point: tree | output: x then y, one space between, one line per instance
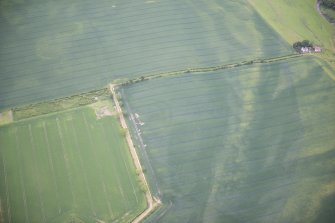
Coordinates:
305 43
297 46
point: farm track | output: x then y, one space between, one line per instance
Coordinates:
151 201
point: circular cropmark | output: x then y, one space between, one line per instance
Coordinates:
53 46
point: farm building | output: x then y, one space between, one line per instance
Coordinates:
315 49
306 49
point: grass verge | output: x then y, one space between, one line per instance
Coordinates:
60 104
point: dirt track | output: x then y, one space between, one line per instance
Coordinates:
152 203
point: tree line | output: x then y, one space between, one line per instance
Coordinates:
328 3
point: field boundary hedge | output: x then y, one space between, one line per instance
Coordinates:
74 101
125 81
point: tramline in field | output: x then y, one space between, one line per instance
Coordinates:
230 123
67 167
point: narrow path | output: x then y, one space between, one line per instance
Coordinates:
151 202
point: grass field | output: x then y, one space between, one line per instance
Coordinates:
67 167
249 144
297 20
51 49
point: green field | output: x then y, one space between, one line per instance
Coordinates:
249 144
297 20
51 49
67 167
230 123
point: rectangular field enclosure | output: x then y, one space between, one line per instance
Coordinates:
250 144
67 167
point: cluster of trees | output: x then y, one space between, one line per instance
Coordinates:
328 3
305 43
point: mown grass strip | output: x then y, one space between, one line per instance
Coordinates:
60 104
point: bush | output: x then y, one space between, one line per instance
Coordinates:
143 187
